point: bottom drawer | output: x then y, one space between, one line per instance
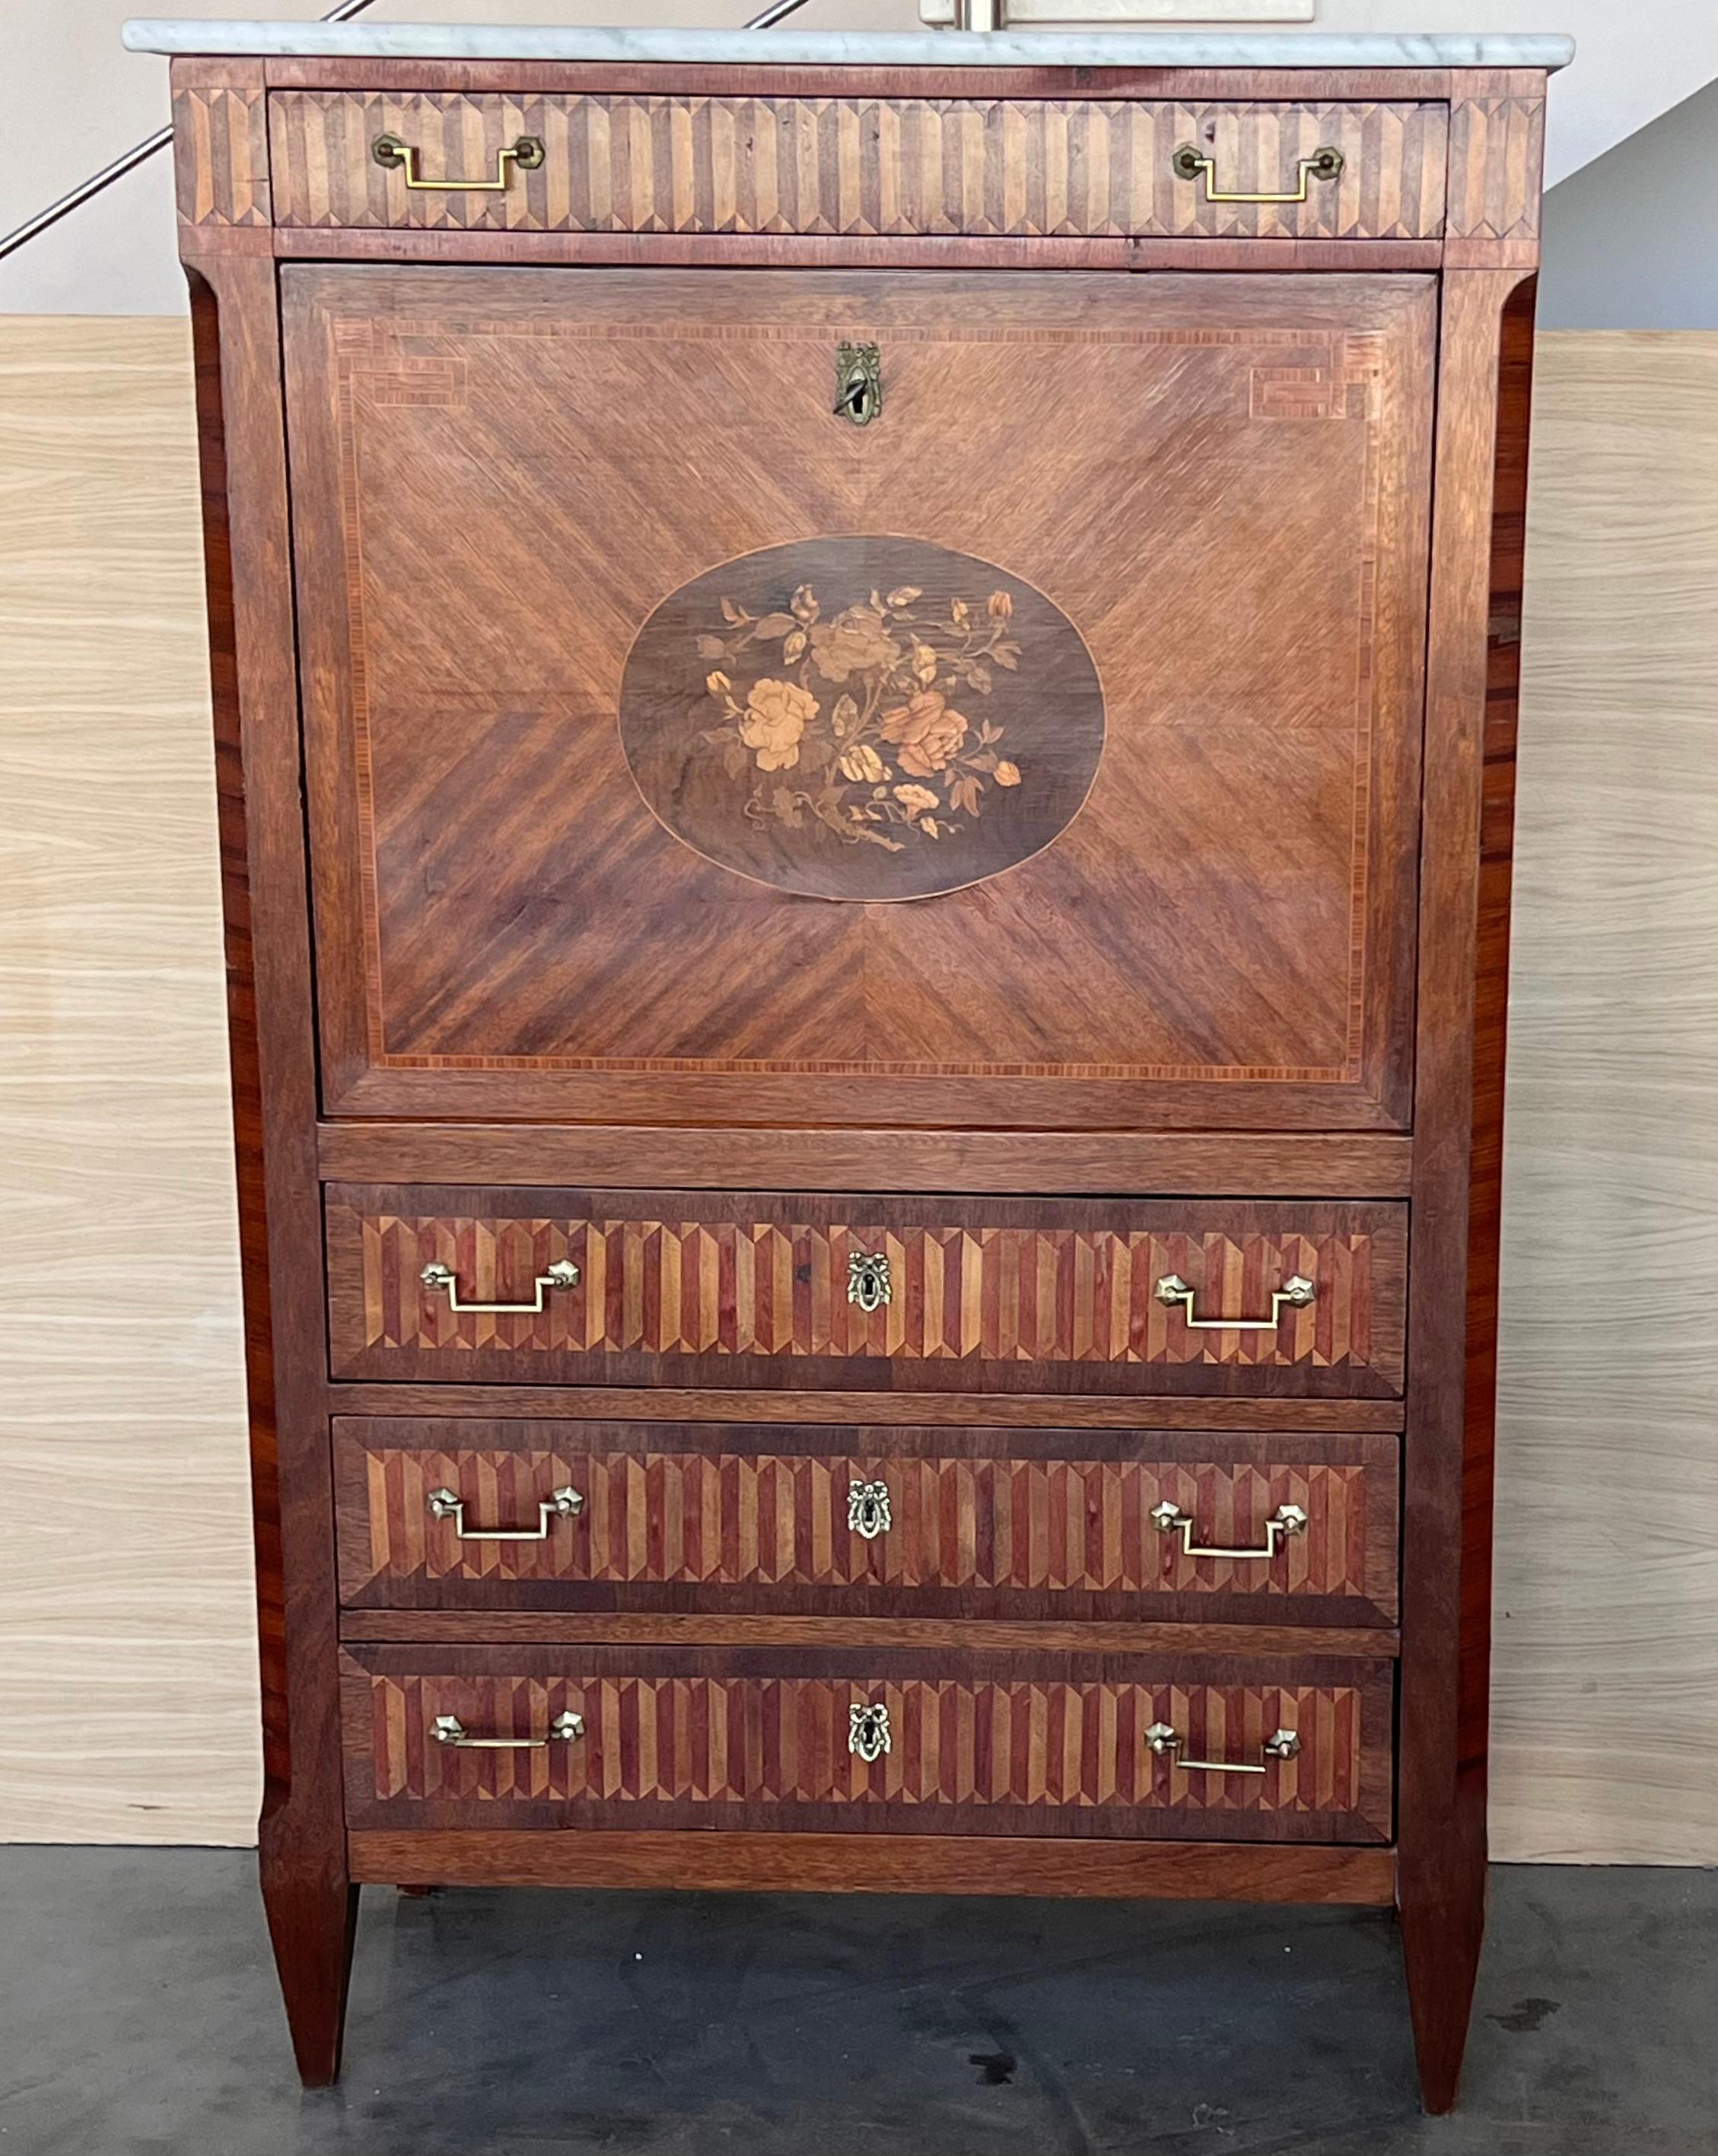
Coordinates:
888 1741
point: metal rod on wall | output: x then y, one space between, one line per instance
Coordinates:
139 151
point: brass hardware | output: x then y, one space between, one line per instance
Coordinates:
527 153
1287 1520
566 1504
1296 1292
868 1509
868 1731
565 1729
564 1273
858 383
1188 163
868 1283
1167 1745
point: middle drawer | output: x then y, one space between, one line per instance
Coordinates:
728 1518
718 1288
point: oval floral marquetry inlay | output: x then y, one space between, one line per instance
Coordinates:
864 717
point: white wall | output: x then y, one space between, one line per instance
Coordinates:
73 98
1631 240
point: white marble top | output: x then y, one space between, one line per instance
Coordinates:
1175 48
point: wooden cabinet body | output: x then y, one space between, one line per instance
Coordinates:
865 722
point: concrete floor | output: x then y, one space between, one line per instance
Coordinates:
138 2017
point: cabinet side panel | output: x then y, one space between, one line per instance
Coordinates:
310 1901
1445 1560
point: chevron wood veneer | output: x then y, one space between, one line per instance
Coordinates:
978 1289
226 182
1009 1525
1497 145
968 1753
889 165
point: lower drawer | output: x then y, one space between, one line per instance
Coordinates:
890 1741
1237 1527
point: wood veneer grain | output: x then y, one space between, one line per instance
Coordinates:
114 1126
732 1520
894 1864
506 1628
757 1739
877 165
751 1289
1116 1163
1606 1569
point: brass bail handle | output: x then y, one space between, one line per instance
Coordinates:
1166 1741
1190 163
1295 1293
439 1280
564 1504
527 153
566 1728
1287 1520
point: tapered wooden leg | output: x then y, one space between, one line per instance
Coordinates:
1442 1911
311 1923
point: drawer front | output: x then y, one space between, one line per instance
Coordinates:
886 167
963 1743
1025 1524
703 1289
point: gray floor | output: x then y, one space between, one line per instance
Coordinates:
138 2017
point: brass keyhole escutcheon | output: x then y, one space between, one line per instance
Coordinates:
868 1732
868 1510
869 1287
858 383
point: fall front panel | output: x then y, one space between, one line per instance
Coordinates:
827 696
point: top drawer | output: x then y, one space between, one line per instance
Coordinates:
898 168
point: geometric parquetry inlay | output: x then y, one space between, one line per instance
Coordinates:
1031 167
751 1740
1001 1294
723 1518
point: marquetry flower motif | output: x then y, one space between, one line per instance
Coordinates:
849 722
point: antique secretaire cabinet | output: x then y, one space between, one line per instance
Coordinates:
865 693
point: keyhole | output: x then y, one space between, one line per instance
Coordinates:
858 383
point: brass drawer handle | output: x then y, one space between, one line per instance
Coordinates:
1189 163
566 1504
1167 1745
868 1732
1287 1520
527 153
565 1729
1296 1292
868 1510
564 1273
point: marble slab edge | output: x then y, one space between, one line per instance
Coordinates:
1163 48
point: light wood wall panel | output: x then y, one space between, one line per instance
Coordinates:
126 1662
1605 1686
127 1682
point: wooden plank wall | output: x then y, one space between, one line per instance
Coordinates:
127 1671
127 1674
1606 1686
